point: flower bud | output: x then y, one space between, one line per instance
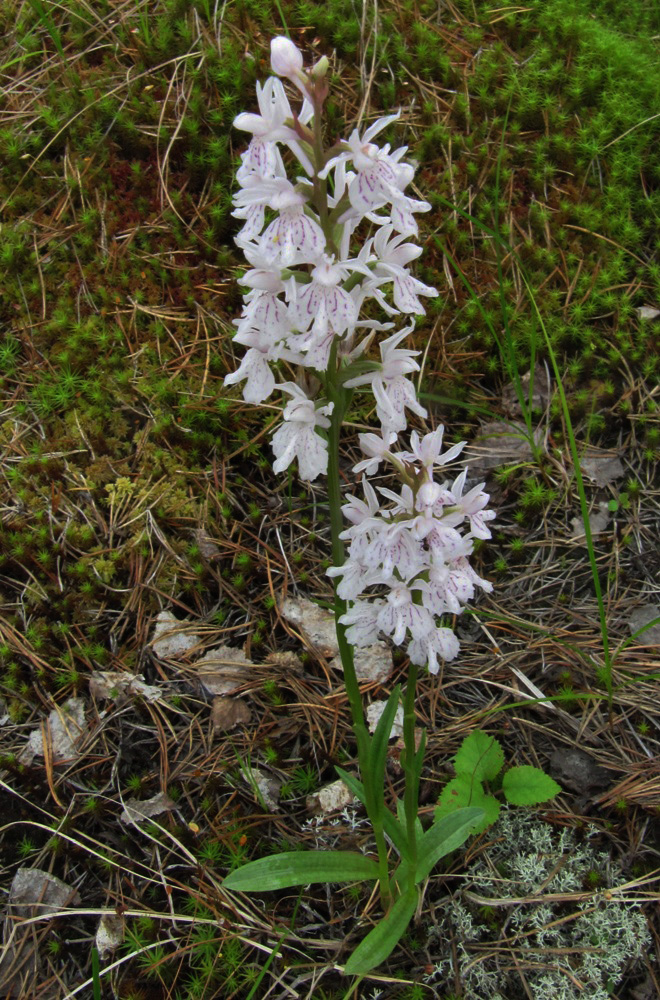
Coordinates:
320 68
285 57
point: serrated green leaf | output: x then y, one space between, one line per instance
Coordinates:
480 756
382 940
462 792
446 834
280 871
527 786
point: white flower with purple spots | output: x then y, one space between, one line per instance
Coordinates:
297 437
392 390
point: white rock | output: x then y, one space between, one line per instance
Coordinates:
267 786
32 887
223 670
374 712
331 798
119 686
170 637
64 728
598 521
647 312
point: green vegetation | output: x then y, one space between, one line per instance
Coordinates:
131 480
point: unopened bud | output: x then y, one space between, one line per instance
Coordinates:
320 68
285 57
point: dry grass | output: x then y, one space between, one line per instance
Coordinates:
210 534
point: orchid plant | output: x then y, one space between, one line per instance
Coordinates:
402 564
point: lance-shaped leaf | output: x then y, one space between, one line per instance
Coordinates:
280 871
378 749
381 941
444 837
395 831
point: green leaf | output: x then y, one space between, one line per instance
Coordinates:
395 831
480 756
462 792
378 749
353 784
527 786
401 813
445 836
300 868
381 941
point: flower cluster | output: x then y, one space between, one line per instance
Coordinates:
305 294
414 549
305 291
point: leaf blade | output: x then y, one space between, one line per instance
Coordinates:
480 756
281 871
528 786
382 940
445 836
378 748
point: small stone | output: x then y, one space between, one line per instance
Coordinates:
644 616
374 712
109 934
227 713
317 624
500 443
578 771
63 730
598 521
171 637
373 664
601 466
207 547
540 392
329 799
34 891
120 686
647 312
267 786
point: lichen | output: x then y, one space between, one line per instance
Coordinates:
566 950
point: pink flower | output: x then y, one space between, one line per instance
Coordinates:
297 437
440 642
323 304
377 449
392 390
391 259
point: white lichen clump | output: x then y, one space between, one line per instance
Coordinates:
565 950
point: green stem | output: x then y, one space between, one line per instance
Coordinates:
339 397
410 770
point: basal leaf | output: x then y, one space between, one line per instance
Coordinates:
381 941
301 868
480 756
443 837
395 831
527 786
